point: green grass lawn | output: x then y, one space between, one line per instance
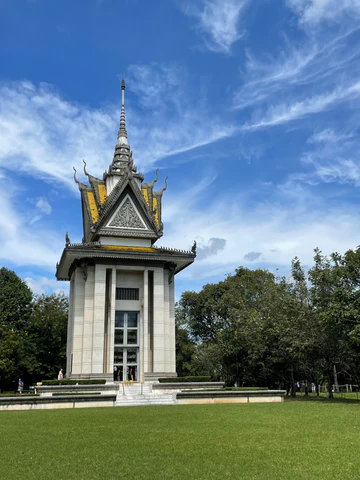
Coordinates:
306 439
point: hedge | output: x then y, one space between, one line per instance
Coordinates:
73 382
242 389
62 394
184 379
16 394
227 389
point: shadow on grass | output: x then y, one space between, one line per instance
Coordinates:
323 398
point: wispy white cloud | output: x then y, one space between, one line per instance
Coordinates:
41 284
316 64
315 11
44 135
175 120
291 222
44 206
329 136
219 22
284 113
333 158
21 244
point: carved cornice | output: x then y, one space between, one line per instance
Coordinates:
84 245
71 259
175 250
129 233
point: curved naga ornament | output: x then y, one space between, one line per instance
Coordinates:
76 180
160 192
86 173
152 183
193 248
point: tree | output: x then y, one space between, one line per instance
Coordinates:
15 314
237 315
253 328
48 334
15 300
32 332
335 298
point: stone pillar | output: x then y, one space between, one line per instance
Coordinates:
99 320
145 326
159 333
112 324
88 321
70 328
167 351
79 295
172 342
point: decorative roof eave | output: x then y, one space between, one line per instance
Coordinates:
95 250
122 232
82 187
96 185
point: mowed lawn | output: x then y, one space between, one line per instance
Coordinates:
295 439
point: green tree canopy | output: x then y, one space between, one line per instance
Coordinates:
32 332
253 328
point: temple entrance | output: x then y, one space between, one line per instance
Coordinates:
126 346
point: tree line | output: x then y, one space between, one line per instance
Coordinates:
32 332
256 329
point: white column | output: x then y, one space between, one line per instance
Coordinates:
145 326
99 319
88 321
111 332
159 333
167 345
172 343
79 294
70 327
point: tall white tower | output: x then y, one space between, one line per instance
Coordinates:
121 317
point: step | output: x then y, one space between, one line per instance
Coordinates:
149 399
135 390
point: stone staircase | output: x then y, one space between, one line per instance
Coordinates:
137 395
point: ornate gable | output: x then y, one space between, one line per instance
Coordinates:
126 213
127 216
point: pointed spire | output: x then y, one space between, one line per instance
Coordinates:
122 159
122 134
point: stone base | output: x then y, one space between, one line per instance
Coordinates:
91 376
249 396
154 376
32 402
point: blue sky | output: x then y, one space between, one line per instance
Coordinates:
251 107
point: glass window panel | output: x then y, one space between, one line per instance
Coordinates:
119 319
118 373
118 355
131 355
131 373
132 337
119 336
132 319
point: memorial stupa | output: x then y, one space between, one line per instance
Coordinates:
121 307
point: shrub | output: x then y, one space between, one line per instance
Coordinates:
239 389
184 379
73 382
62 394
16 394
227 389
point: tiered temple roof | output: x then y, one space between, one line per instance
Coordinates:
120 206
